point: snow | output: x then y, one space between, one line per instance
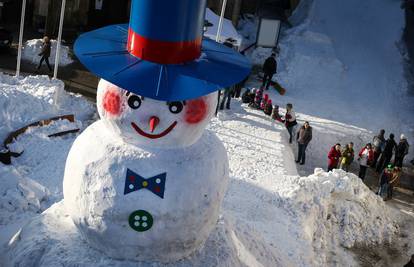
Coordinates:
94 183
33 98
342 69
275 213
34 180
32 48
228 30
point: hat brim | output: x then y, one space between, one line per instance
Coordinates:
103 52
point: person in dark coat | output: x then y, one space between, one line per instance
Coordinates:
248 97
268 108
333 157
401 151
384 181
304 136
226 98
45 53
269 69
386 154
378 143
411 262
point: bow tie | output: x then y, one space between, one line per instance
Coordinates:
135 182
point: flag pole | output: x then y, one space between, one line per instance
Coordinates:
220 26
218 35
19 53
57 58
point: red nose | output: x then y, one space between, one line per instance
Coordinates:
153 122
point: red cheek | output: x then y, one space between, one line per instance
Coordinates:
195 110
112 102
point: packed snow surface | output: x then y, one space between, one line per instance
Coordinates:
32 48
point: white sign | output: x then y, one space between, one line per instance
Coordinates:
268 34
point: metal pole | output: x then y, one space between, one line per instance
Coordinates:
220 26
19 53
62 17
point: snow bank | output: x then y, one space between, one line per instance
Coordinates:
52 239
318 216
26 100
18 193
32 48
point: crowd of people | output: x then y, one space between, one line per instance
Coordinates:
376 155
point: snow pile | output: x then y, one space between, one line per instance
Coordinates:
26 100
52 239
34 181
337 210
20 193
32 48
311 220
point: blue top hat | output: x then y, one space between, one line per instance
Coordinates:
161 54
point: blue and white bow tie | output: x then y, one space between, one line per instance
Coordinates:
135 182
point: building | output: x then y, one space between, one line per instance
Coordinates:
84 15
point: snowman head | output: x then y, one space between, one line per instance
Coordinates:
152 123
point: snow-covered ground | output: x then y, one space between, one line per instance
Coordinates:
343 71
271 216
34 180
265 199
32 48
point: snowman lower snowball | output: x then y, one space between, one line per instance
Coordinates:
147 180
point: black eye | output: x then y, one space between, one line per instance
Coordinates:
134 101
175 107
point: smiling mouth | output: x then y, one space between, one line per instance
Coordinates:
153 136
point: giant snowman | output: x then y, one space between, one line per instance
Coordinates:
147 180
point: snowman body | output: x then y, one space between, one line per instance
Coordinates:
142 194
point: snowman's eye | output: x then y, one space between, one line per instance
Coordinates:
134 101
175 107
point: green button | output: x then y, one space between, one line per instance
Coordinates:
140 220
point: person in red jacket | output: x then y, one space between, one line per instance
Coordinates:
333 157
366 156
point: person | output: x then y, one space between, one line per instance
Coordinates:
386 154
264 101
45 53
290 120
366 155
275 114
394 181
384 182
226 98
248 97
347 157
333 157
258 98
378 143
269 69
401 151
304 136
268 108
411 262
